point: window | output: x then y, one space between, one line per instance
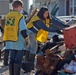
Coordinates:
72 7
74 10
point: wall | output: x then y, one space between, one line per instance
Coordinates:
51 6
26 5
62 7
4 7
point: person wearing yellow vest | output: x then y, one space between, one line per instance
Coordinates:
38 28
15 36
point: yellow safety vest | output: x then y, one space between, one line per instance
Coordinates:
12 26
41 35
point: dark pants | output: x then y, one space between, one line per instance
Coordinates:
16 56
6 55
15 62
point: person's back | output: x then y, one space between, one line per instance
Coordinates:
14 37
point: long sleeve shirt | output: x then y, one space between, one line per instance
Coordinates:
41 25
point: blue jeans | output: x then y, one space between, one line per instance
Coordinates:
33 42
16 56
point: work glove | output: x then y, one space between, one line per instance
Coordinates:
67 26
27 41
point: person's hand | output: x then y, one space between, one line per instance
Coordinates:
67 26
27 42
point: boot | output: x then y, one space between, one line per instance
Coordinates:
17 68
11 69
6 54
32 59
27 56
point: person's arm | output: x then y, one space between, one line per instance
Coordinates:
24 34
42 25
23 28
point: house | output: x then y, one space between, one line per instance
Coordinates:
4 7
66 7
